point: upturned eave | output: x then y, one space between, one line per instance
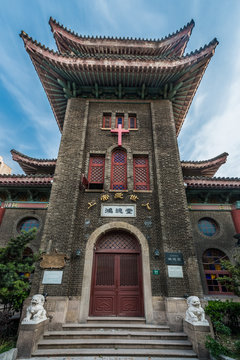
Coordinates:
69 42
26 180
207 168
33 166
211 183
66 76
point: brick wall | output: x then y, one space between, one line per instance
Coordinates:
11 219
166 226
222 240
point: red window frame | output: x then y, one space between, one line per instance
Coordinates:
213 270
129 121
96 169
140 163
117 117
119 168
107 117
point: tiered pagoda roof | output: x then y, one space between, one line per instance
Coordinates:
69 43
26 180
32 166
204 168
196 182
109 68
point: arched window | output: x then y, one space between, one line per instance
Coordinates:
213 269
119 170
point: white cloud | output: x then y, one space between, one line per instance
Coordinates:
220 132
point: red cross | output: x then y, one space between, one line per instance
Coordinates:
119 131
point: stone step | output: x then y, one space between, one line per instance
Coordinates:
168 354
117 319
113 343
113 333
108 358
93 325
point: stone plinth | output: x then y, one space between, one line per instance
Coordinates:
197 335
28 338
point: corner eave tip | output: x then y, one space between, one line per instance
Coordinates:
192 22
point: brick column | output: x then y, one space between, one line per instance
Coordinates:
174 214
59 226
2 211
236 216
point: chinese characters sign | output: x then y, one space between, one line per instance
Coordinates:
118 210
174 258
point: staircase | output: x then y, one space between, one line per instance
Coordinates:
104 337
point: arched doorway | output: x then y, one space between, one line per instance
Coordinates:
116 288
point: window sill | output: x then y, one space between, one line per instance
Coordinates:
95 190
118 191
107 129
143 191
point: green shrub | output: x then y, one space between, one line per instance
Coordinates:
227 312
6 345
237 347
215 348
225 317
220 328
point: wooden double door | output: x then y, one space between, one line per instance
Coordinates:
117 277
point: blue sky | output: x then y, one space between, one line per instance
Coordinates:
212 124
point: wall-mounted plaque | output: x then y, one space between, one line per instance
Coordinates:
118 210
175 271
156 272
52 277
53 260
174 258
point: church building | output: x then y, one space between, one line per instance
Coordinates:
126 229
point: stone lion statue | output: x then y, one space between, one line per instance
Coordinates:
195 313
35 311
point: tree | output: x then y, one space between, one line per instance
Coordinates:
14 270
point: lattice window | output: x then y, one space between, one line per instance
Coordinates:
106 121
132 121
96 172
213 269
28 224
119 240
207 226
141 173
119 170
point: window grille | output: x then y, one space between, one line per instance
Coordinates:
117 240
141 173
207 227
96 172
213 269
28 224
119 170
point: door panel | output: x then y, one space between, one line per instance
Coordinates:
104 289
117 285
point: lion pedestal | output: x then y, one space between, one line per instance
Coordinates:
196 327
32 327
